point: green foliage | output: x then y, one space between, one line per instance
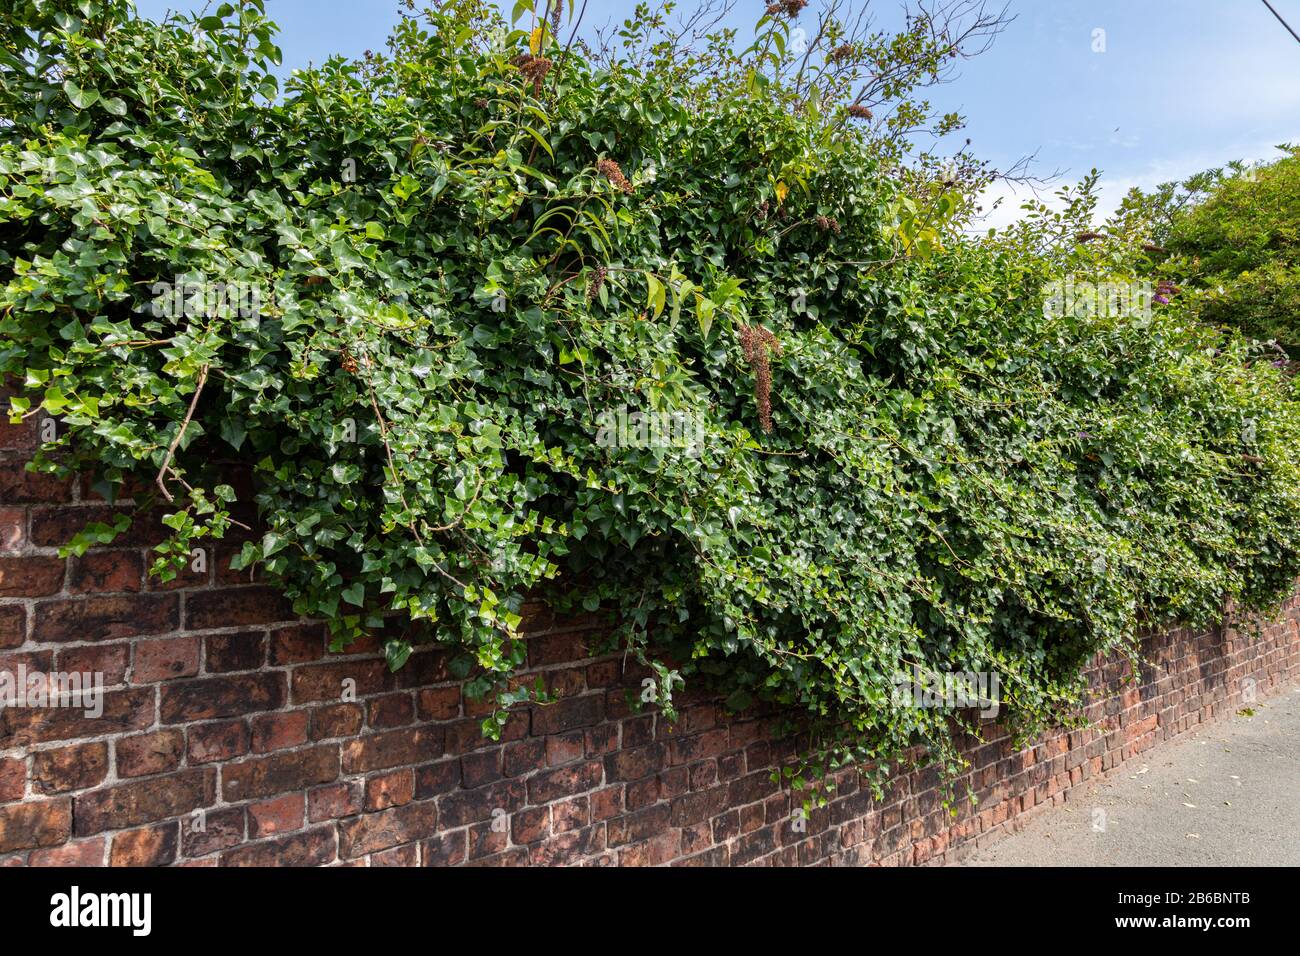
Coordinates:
450 262
1231 237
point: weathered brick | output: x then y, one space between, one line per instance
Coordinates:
321 682
144 754
104 617
30 576
568 714
211 830
391 749
100 572
25 826
379 831
333 802
110 660
13 528
391 710
13 779
69 768
223 740
82 853
309 848
565 781
296 644
164 659
213 697
288 770
244 651
278 815
143 801
13 625
150 846
236 607
336 720
393 789
123 710
279 731
18 486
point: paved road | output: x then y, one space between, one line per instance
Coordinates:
1227 795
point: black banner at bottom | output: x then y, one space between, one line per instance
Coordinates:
342 905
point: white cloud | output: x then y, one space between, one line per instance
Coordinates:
1111 189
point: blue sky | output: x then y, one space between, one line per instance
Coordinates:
1181 84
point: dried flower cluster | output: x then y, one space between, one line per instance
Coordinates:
759 345
611 171
787 8
534 68
841 52
858 111
825 223
1088 236
597 282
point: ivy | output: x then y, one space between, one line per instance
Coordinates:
848 443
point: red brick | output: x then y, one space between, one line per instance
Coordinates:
388 828
69 768
164 659
244 651
211 830
106 571
280 772
152 846
439 703
392 749
212 697
82 853
144 754
393 789
123 710
279 731
235 607
407 855
333 802
309 848
143 801
18 486
218 741
13 779
392 710
336 720
55 527
13 529
568 714
30 576
111 660
26 826
13 625
297 644
565 781
322 682
270 817
104 617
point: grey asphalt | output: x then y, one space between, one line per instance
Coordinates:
1226 795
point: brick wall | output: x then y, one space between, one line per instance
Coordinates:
217 701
